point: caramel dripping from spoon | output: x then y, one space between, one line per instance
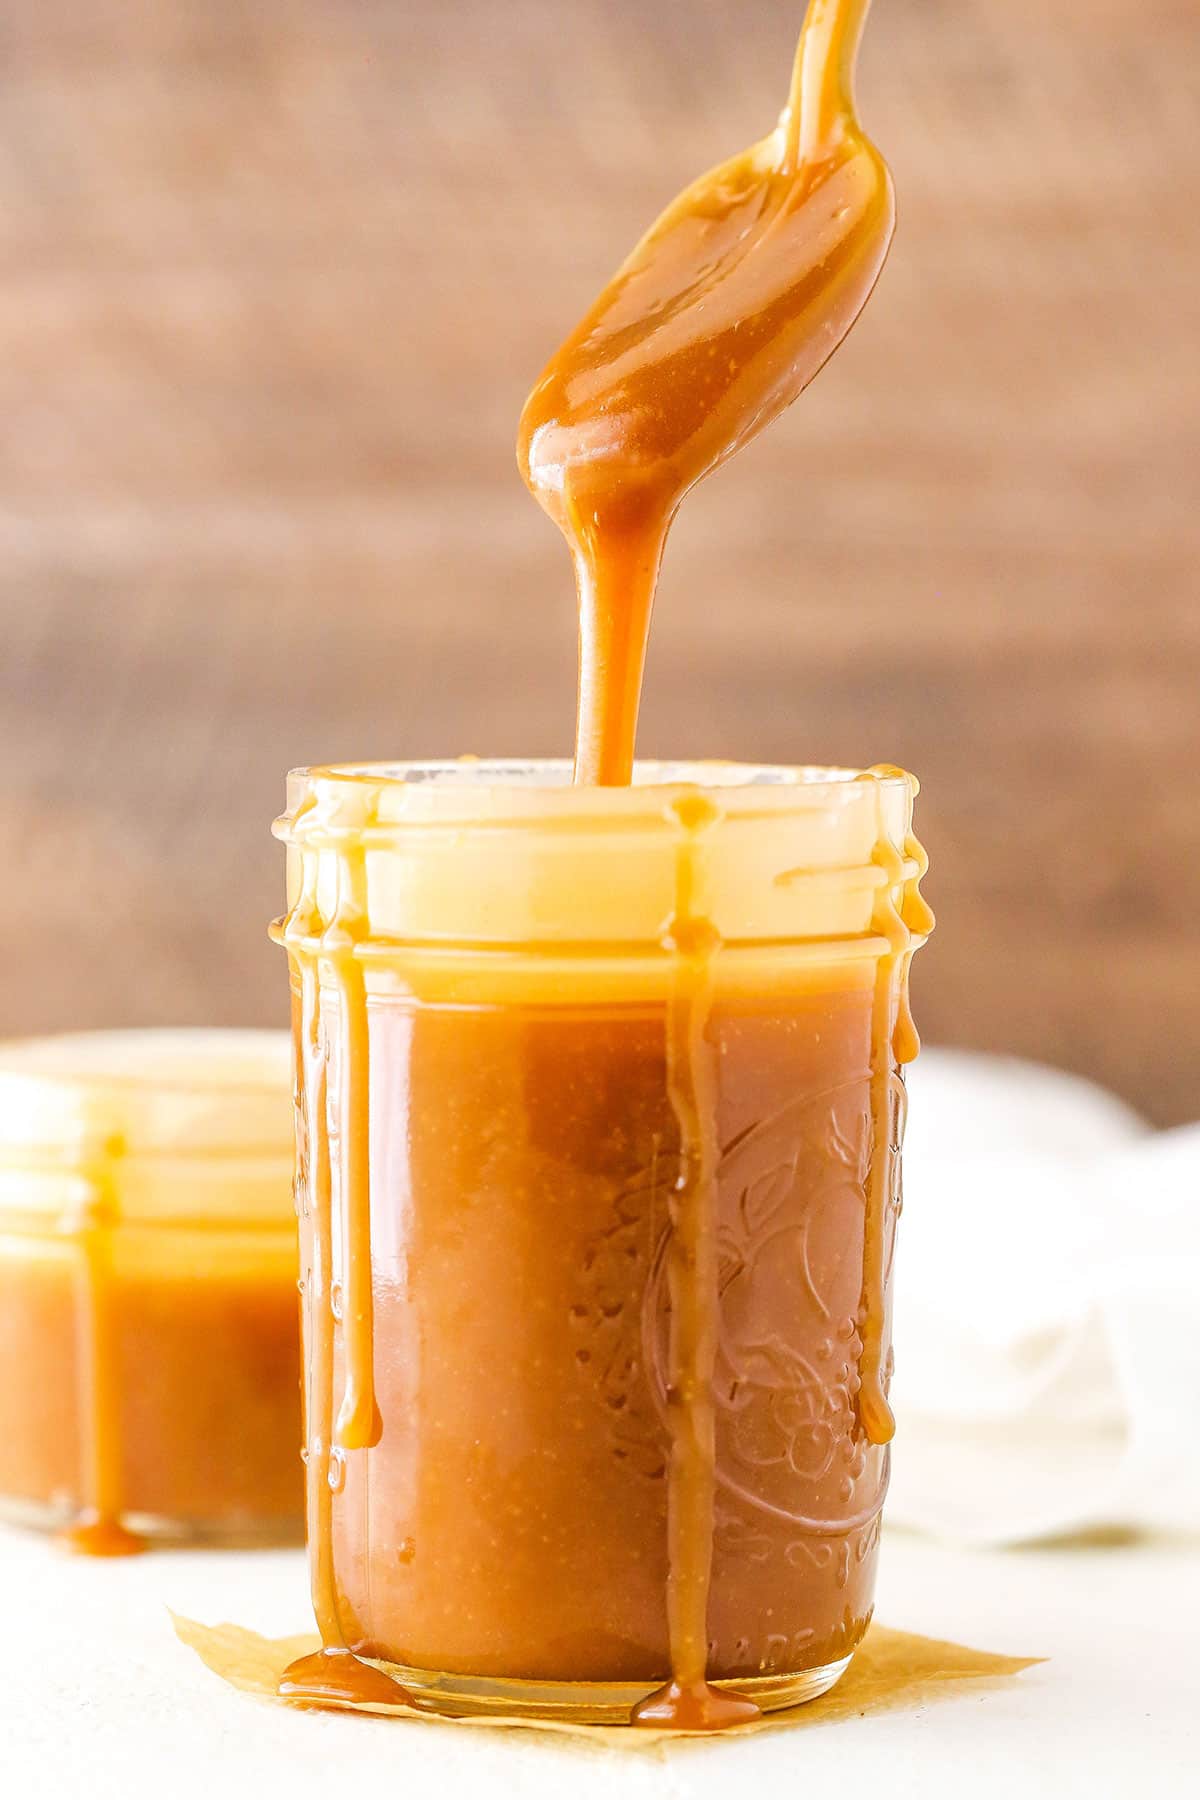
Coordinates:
722 314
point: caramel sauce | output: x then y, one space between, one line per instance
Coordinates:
903 924
317 1203
334 1675
688 1701
720 317
98 1531
723 313
164 1405
358 1424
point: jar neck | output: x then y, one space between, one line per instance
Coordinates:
440 865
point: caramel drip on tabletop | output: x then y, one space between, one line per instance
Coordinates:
904 922
99 1530
688 1701
333 1675
722 314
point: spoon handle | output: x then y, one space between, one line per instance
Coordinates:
821 98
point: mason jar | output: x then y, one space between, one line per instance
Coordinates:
149 1328
598 1172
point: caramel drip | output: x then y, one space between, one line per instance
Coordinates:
333 1675
98 1531
338 1678
688 1701
617 556
722 314
316 1198
918 916
358 1423
821 101
903 921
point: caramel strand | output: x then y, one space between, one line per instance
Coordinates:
902 917
99 1530
333 1675
688 1701
726 309
358 1424
319 1281
821 102
722 314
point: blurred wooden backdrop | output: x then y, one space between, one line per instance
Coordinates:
276 275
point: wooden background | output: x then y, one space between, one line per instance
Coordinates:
274 278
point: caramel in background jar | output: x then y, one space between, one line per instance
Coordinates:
149 1354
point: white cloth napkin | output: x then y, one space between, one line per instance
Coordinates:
1047 1309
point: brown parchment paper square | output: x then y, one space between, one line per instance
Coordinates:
891 1669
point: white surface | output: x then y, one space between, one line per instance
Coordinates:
1047 1287
98 1699
1026 1306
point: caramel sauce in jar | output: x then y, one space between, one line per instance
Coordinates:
148 1305
607 1082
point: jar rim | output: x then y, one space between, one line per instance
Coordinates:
445 860
47 1060
168 1096
513 791
556 771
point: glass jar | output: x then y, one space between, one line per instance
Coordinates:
598 1173
149 1338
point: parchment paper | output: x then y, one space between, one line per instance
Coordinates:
891 1669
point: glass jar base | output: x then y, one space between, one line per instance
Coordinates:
595 1702
59 1520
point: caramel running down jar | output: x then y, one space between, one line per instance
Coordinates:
598 1127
